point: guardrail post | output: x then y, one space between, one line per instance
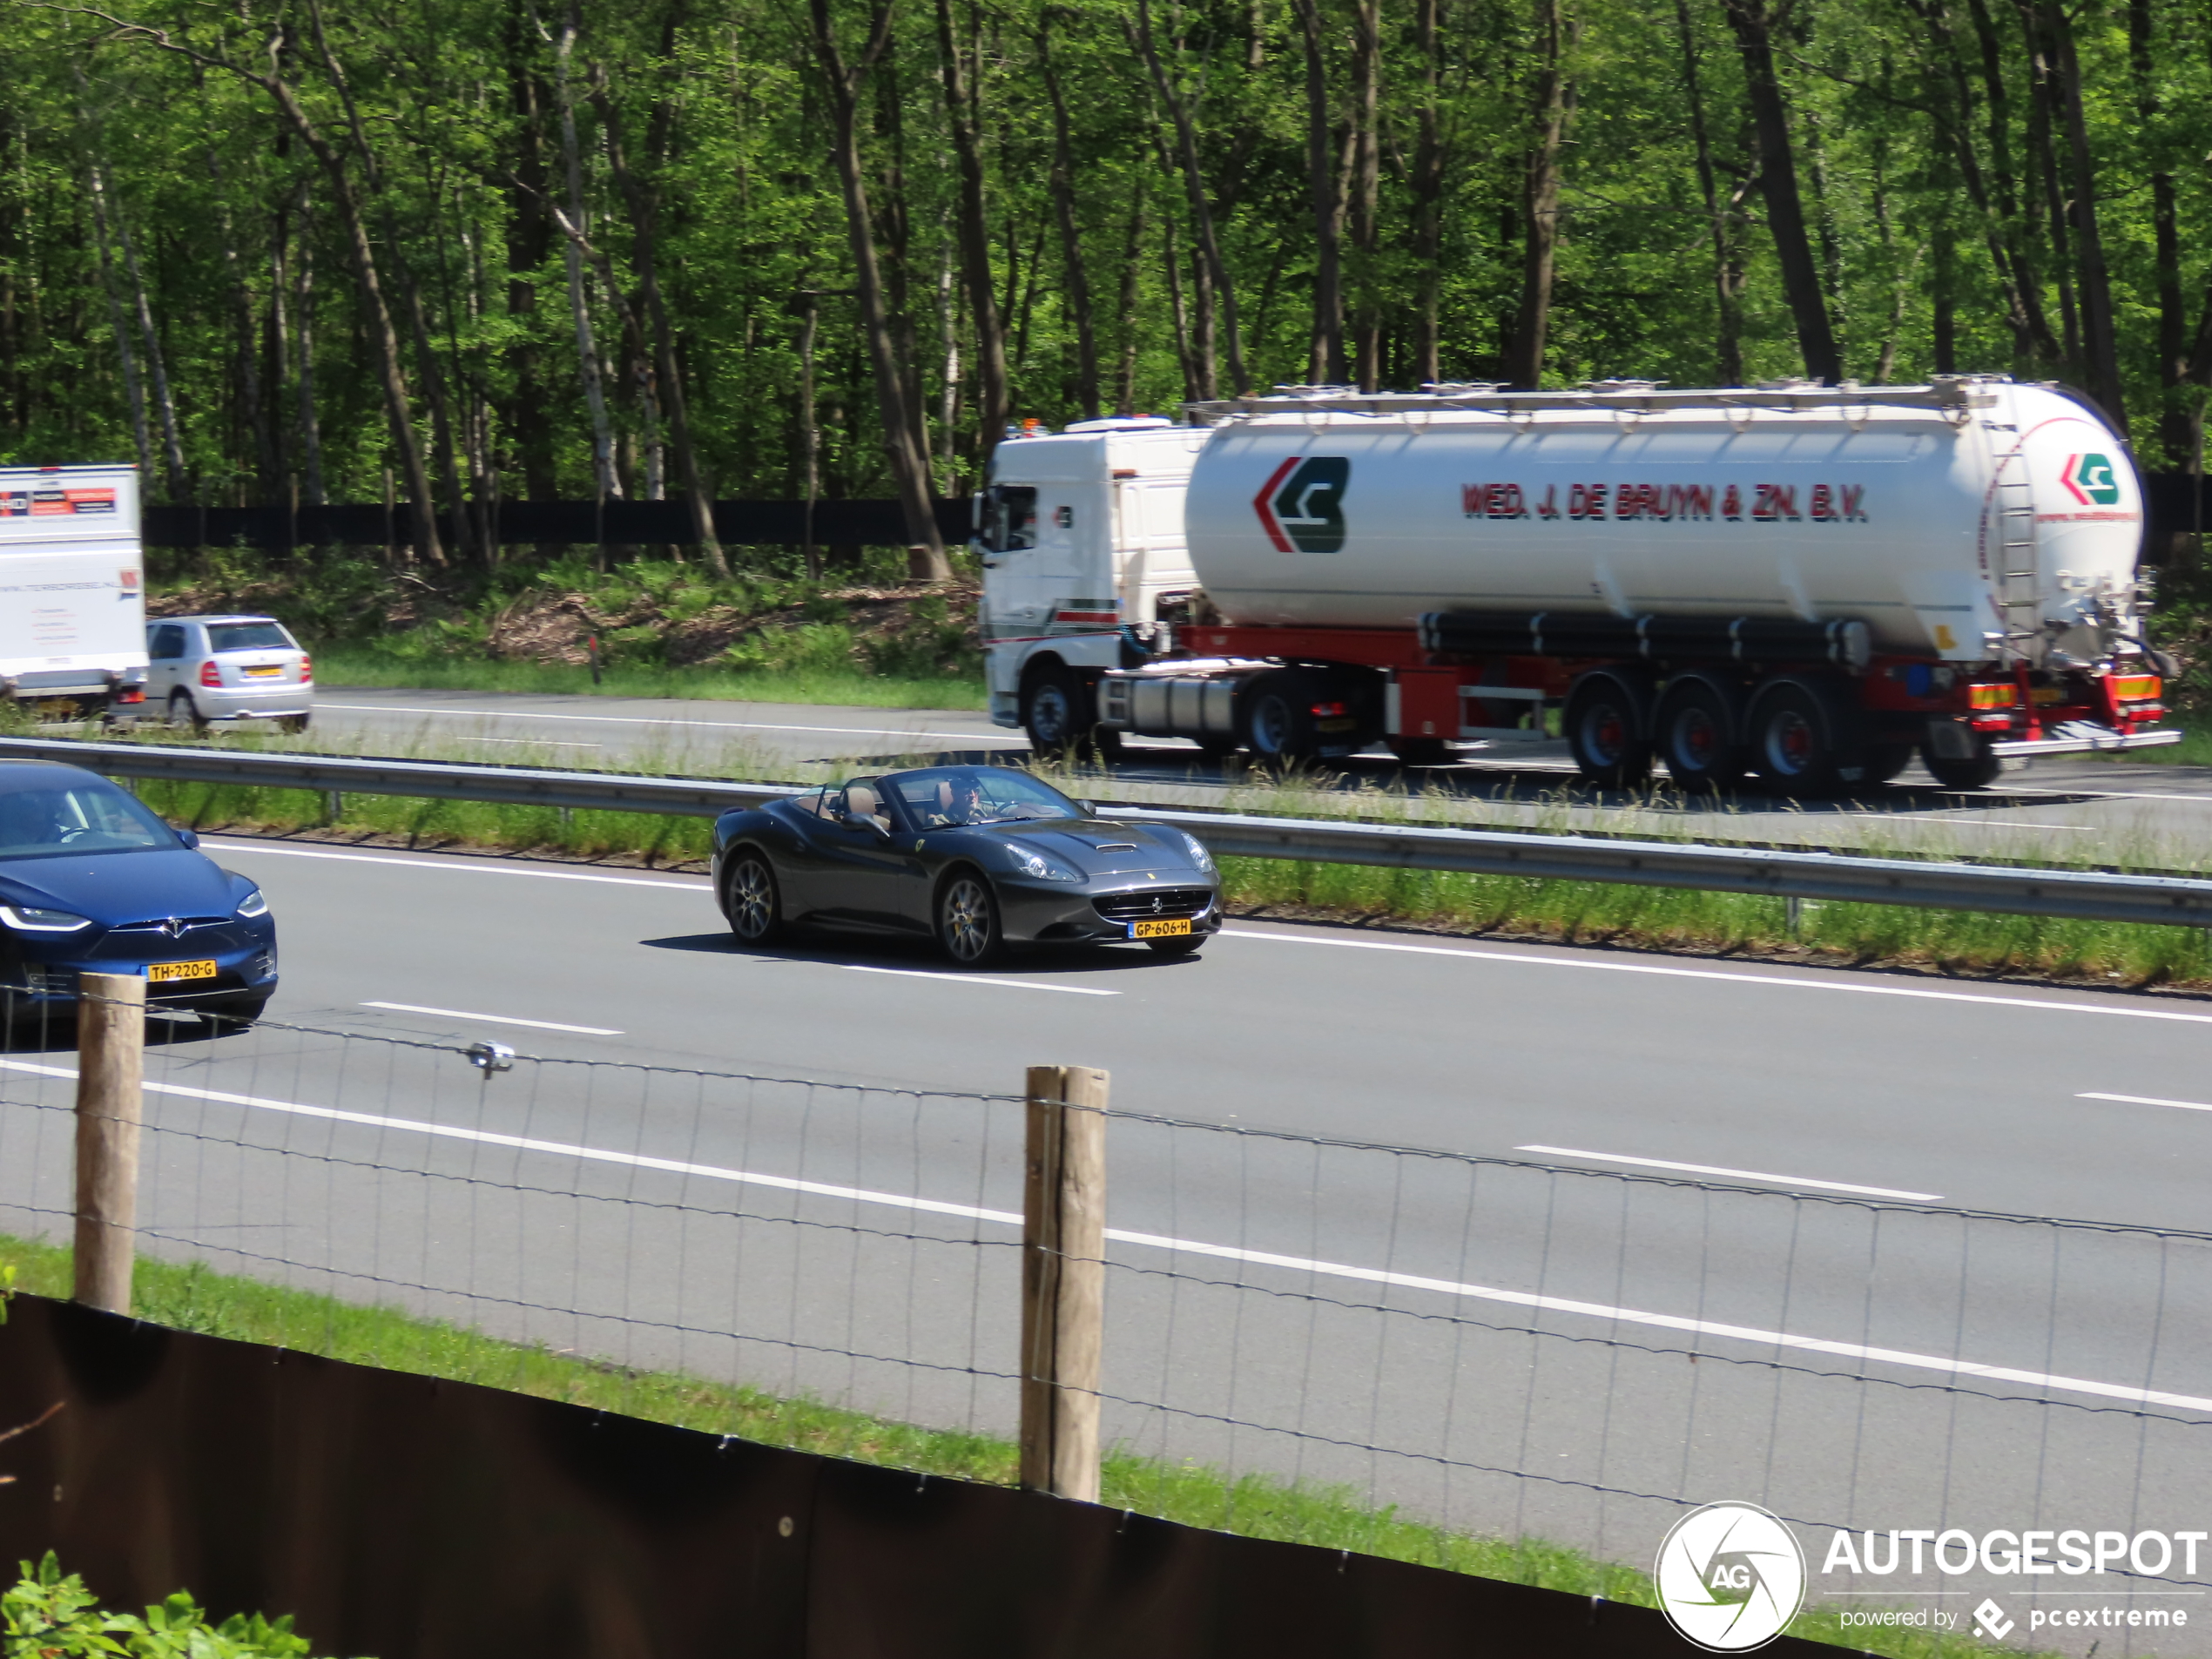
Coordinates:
111 1066
1063 1279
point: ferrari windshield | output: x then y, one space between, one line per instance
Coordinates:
42 819
951 795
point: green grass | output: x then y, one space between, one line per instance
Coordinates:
359 665
193 1297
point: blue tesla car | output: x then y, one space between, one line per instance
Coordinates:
93 882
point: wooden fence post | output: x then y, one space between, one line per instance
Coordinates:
1064 1280
111 1064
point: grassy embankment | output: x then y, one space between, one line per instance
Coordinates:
193 1297
828 684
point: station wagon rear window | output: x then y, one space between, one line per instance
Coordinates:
248 636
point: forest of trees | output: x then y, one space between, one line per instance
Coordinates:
460 251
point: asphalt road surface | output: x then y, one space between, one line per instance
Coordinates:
1495 1343
2094 807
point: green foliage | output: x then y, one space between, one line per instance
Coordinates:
46 1615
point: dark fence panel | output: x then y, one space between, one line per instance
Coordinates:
403 1517
2176 503
869 524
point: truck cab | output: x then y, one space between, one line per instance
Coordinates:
1085 566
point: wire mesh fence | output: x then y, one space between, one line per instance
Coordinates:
1516 1348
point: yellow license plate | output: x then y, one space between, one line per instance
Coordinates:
1159 929
162 973
264 673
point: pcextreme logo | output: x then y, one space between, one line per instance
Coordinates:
1730 1577
2090 479
1301 505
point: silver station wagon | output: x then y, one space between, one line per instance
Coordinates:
203 668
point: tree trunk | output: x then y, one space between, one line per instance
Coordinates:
642 196
909 464
1426 187
1074 278
134 392
528 409
607 481
2099 332
1201 219
165 404
959 73
1324 358
1524 364
1363 213
1728 274
810 435
1778 184
1132 256
2174 424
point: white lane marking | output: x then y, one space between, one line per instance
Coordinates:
971 978
2006 823
2150 1100
1738 1175
1901 1357
2032 1004
677 885
2103 794
543 743
632 719
496 1019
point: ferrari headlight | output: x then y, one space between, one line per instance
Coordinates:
253 905
25 919
1045 869
1199 856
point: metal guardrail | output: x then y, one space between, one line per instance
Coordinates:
2080 895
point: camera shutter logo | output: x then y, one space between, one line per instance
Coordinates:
1730 1577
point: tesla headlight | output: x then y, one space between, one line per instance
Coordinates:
26 919
253 905
1199 856
1045 869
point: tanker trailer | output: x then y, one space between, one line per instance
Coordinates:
1812 584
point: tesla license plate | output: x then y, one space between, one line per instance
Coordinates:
162 973
1159 929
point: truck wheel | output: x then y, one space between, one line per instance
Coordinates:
1696 737
1278 719
1800 743
1056 712
1603 724
1976 770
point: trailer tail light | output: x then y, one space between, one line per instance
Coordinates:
1993 696
2136 688
131 694
1328 711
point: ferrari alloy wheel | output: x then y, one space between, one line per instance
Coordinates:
750 901
968 920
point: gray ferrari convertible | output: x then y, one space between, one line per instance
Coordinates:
976 857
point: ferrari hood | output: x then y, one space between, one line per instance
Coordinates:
1105 849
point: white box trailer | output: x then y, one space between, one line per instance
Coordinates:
72 592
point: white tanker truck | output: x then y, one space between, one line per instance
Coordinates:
1812 583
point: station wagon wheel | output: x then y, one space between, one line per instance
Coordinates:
750 901
968 920
183 712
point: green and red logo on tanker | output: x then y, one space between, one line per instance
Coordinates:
1301 505
2090 480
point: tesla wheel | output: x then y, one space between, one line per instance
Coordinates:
1602 724
1186 945
1976 770
183 712
750 901
1799 743
1697 738
967 920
